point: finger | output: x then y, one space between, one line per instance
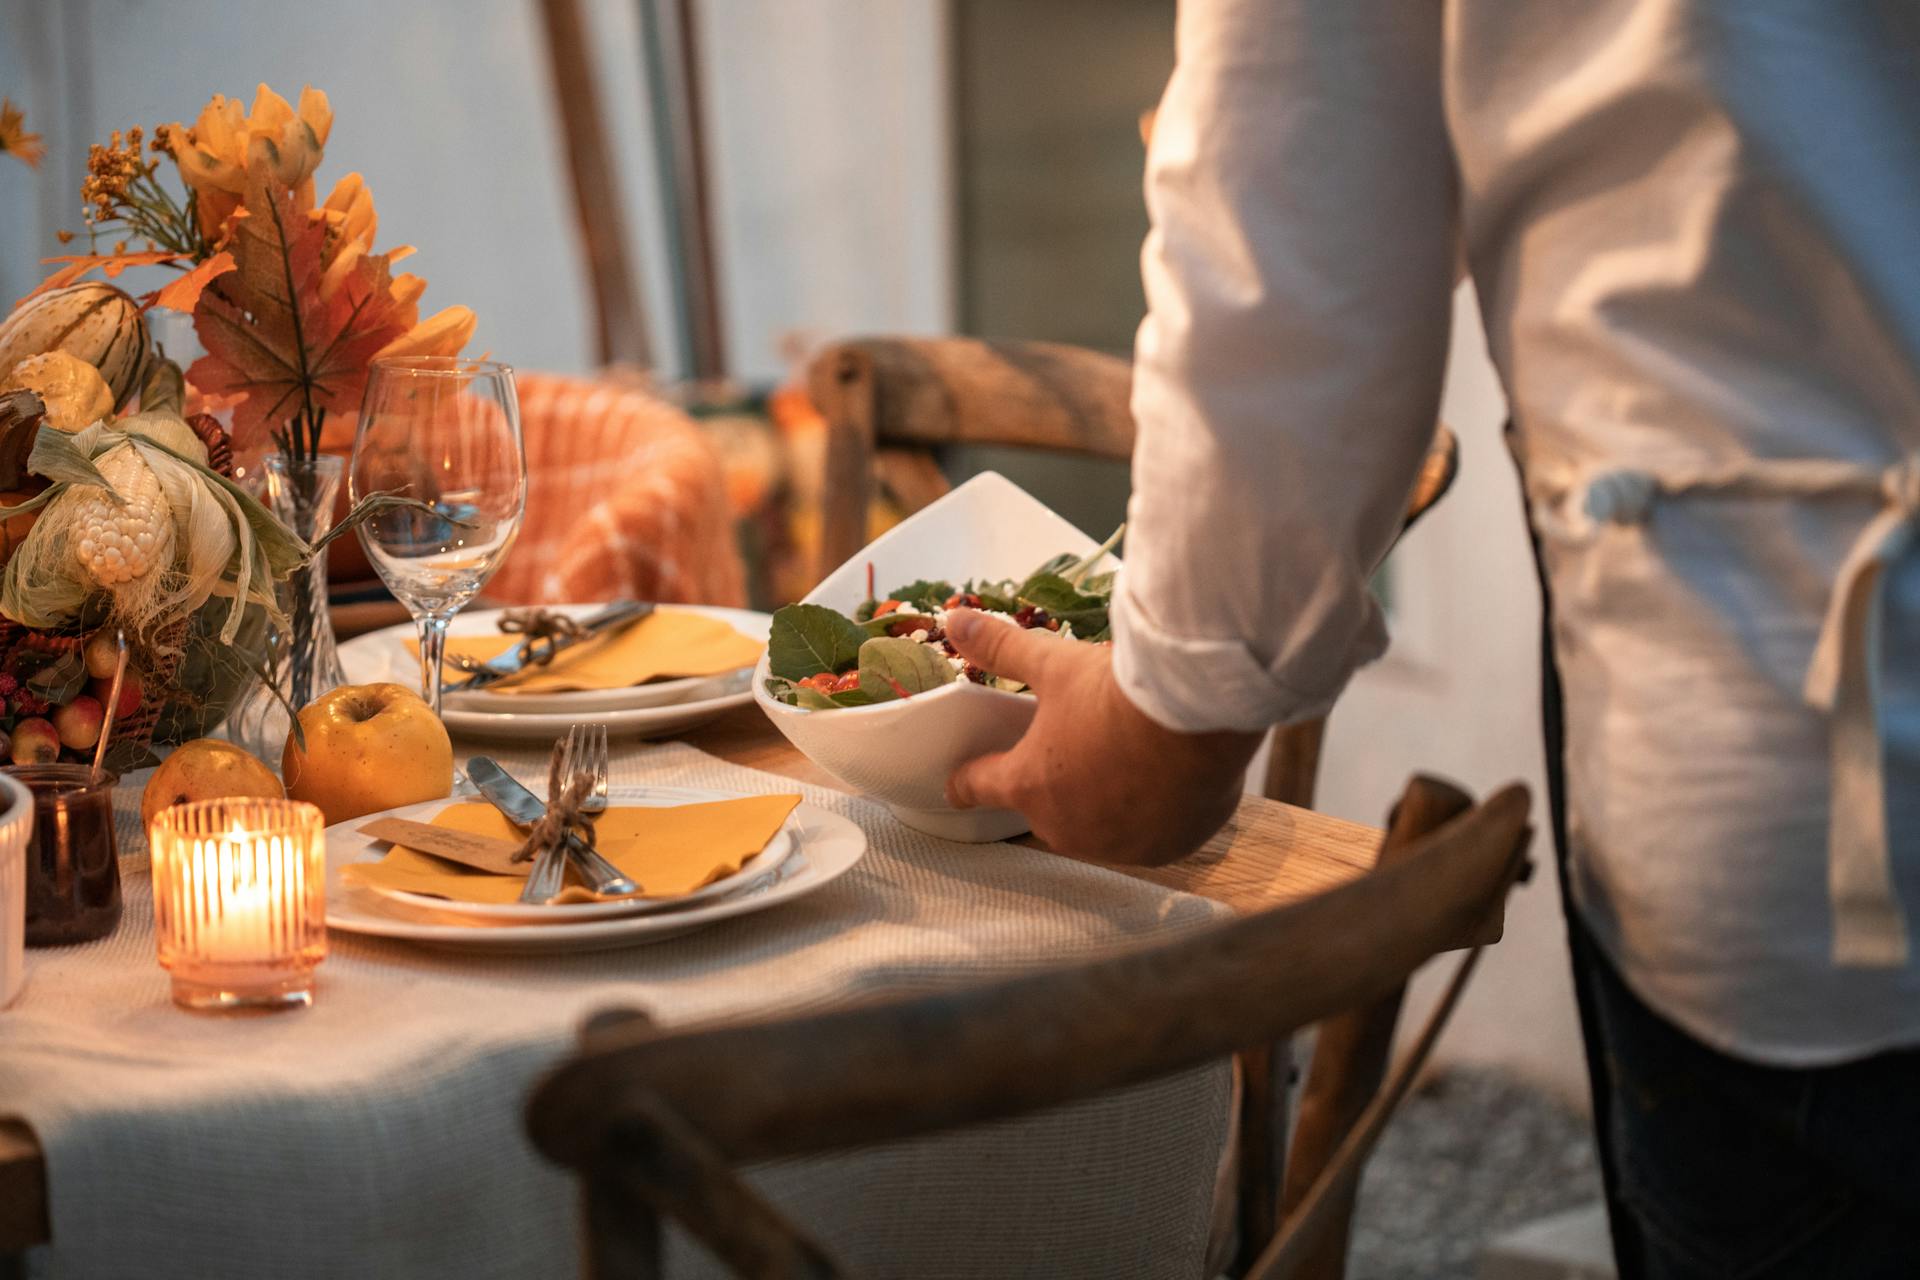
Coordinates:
984 782
1000 648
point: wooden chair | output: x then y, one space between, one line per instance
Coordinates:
656 1122
888 403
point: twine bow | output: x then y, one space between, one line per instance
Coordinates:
544 630
566 793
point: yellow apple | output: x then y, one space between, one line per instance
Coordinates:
368 747
206 769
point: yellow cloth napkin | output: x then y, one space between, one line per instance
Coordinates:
665 644
666 851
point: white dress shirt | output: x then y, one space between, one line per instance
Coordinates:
1694 228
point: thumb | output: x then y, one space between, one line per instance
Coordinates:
999 648
984 782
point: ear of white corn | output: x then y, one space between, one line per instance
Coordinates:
117 543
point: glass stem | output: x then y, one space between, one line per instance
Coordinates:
433 650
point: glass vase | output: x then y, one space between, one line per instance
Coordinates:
304 662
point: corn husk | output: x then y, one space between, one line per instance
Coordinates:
225 544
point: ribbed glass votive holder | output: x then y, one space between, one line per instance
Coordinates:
239 901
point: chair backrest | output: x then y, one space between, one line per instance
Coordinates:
620 323
882 394
655 1121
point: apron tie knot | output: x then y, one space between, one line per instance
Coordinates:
1624 496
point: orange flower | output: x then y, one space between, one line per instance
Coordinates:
213 154
14 138
441 334
350 223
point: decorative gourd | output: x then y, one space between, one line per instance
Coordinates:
92 320
72 391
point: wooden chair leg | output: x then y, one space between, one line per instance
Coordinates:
623 1237
1293 765
1265 1076
1351 1052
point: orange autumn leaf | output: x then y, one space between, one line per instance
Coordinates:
79 264
272 334
183 294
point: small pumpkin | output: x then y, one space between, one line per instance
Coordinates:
92 320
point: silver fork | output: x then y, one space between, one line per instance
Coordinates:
587 748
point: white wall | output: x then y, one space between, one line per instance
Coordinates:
827 118
831 175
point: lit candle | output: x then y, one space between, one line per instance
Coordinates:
239 901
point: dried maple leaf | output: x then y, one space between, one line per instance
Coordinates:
79 264
183 294
294 351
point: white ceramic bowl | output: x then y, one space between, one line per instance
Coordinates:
902 752
16 827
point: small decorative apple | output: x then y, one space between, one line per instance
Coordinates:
368 747
35 741
102 654
130 692
78 723
206 769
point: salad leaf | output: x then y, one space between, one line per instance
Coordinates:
878 626
1059 566
800 695
1087 614
897 667
923 594
810 638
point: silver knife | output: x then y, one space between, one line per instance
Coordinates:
621 613
523 808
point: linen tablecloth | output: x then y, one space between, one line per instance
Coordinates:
379 1134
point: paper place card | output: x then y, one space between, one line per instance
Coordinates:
483 853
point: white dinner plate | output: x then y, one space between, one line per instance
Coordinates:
826 846
649 711
347 844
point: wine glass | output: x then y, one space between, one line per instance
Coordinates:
445 432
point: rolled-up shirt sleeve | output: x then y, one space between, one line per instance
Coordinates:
1287 377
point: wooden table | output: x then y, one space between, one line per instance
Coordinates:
1270 855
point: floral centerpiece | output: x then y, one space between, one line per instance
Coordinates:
122 515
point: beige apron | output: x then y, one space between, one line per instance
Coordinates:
1844 676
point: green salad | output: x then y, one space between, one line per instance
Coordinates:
895 646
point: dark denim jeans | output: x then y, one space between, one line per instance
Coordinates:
1723 1168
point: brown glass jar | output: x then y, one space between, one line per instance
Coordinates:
73 861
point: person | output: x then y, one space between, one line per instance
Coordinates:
1694 230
